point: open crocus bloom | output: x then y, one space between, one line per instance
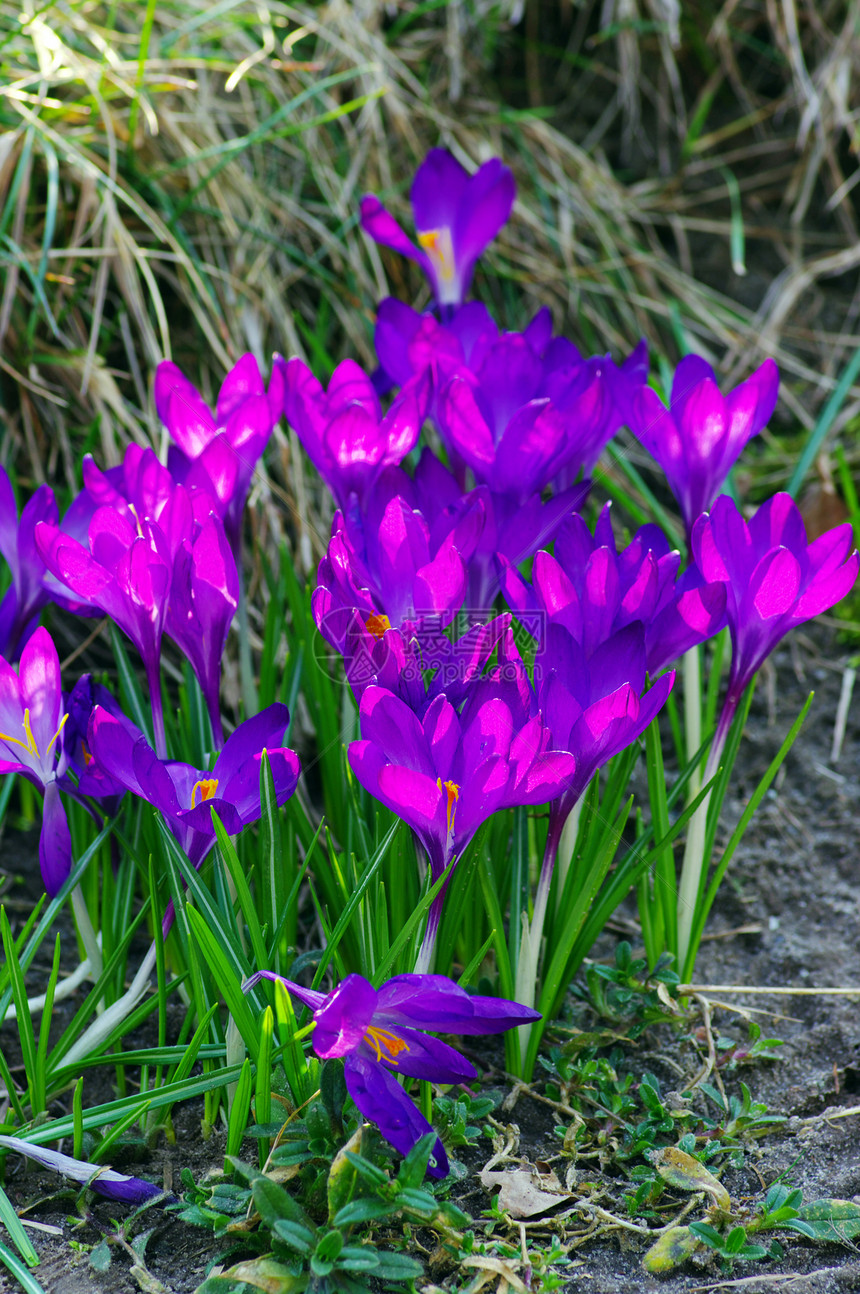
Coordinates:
219 451
447 773
343 429
378 1032
31 724
773 579
456 216
187 795
698 439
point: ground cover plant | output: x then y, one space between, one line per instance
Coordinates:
397 794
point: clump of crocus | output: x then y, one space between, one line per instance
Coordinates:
697 440
31 727
380 1034
456 216
219 451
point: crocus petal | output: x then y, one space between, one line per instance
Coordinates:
384 229
310 997
437 1003
381 1099
344 1018
55 841
420 1056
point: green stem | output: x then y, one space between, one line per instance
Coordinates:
693 714
695 865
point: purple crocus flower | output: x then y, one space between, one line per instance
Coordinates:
93 780
219 451
456 216
380 1033
343 430
204 595
187 795
20 607
596 705
397 574
104 1181
31 725
699 437
447 772
502 422
774 580
593 590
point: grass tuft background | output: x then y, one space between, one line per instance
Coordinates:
182 178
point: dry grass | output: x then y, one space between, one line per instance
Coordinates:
182 177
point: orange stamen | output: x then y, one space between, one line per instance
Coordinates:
208 786
453 792
379 1038
377 624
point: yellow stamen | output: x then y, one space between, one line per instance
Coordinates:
379 1038
208 786
438 246
453 791
57 733
377 624
29 742
88 759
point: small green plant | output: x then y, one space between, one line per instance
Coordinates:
307 1243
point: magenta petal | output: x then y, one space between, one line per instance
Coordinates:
426 1057
182 409
242 383
344 1018
826 591
55 841
381 1099
464 426
774 584
41 691
384 229
436 1002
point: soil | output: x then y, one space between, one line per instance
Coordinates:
792 891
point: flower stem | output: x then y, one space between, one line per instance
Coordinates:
693 714
153 679
695 863
424 960
531 936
